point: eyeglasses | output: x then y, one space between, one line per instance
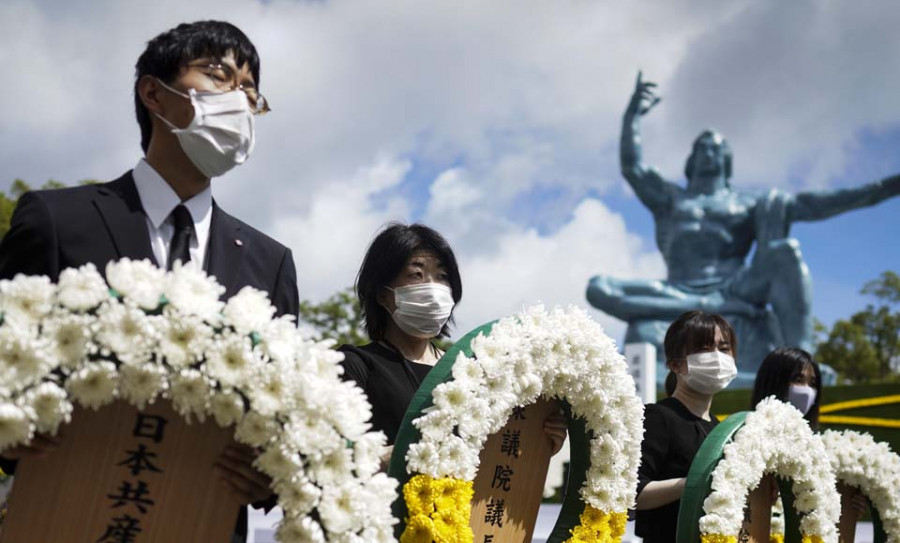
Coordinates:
225 79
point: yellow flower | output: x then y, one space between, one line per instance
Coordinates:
718 538
776 538
419 494
597 526
812 539
453 494
419 529
617 524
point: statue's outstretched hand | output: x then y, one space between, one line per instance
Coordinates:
644 97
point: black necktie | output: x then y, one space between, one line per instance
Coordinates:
181 239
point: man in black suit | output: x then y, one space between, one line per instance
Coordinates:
196 97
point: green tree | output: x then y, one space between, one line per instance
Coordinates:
863 347
339 318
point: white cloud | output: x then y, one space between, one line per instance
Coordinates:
528 268
330 239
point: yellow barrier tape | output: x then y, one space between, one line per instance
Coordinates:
855 404
859 421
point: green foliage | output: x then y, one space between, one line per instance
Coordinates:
339 318
862 348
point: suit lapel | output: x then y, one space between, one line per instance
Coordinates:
226 250
120 206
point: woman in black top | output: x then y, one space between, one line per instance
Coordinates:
699 350
407 286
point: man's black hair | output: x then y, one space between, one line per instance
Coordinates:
167 53
386 257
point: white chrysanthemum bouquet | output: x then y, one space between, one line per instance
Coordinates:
151 334
774 439
561 353
860 461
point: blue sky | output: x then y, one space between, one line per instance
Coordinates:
495 122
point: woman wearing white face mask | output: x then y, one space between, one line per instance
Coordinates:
407 286
699 350
791 375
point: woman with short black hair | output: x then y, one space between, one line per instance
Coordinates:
699 350
408 286
791 375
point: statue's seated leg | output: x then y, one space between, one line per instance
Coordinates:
631 300
649 331
778 277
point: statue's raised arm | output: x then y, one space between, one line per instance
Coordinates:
818 205
653 191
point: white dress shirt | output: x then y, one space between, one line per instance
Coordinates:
158 200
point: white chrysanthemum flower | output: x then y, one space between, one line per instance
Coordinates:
351 415
279 462
423 457
367 452
267 391
249 310
231 361
227 407
189 391
82 289
126 331
279 339
341 508
15 428
50 405
70 338
331 468
191 291
299 530
139 281
94 384
183 338
298 495
24 360
310 434
255 430
457 458
467 371
140 384
451 397
26 299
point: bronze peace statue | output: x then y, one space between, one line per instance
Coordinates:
706 231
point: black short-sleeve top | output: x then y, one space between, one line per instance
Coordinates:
672 437
387 378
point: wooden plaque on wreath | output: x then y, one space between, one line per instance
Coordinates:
509 485
123 475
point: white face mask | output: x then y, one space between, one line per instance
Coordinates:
802 397
709 372
423 309
221 134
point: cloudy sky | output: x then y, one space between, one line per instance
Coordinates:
495 122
